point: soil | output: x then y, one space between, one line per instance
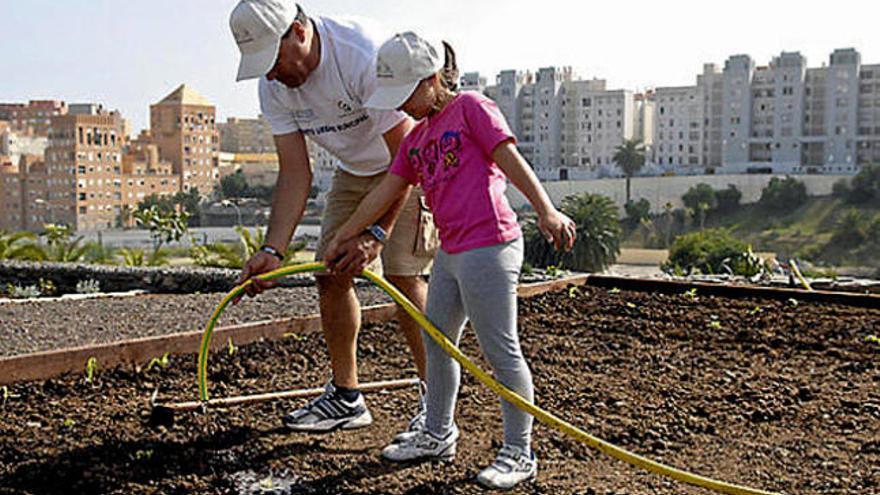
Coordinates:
782 396
46 325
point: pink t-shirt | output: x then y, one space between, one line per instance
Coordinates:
450 155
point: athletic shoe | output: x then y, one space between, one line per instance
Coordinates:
329 412
511 467
417 423
423 446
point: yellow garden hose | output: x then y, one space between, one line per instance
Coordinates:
541 415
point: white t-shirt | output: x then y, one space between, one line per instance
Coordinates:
328 107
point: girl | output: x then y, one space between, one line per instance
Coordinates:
461 152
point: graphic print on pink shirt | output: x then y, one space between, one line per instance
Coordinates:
450 155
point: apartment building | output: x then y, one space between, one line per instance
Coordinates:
145 173
84 167
473 81
678 139
238 135
868 135
596 121
183 127
16 143
10 195
32 117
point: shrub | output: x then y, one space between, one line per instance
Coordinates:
598 236
701 196
728 199
841 189
851 230
636 211
706 251
784 195
865 185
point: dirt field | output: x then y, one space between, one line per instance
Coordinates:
783 396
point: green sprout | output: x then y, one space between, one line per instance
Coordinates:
614 291
755 310
794 302
91 368
691 294
267 484
630 305
6 394
573 292
69 423
553 271
295 336
143 455
873 339
715 325
230 347
161 362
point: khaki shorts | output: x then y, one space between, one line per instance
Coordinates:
409 250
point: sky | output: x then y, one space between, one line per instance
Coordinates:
130 54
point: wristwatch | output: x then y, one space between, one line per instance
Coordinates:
274 252
378 232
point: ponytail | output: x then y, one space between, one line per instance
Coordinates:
449 72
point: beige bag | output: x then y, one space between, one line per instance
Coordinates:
427 238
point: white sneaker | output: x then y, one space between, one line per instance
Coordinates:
422 446
417 423
511 467
329 412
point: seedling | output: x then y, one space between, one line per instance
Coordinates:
6 394
614 291
143 455
715 325
161 362
794 302
755 310
90 286
230 347
553 271
267 484
870 338
69 423
691 294
573 292
91 368
295 336
631 305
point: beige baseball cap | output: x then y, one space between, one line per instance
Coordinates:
258 26
402 63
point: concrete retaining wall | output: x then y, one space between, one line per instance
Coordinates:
662 190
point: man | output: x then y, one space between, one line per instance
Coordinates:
315 74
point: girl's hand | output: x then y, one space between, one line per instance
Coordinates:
558 229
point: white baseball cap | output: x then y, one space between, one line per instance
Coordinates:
402 63
258 26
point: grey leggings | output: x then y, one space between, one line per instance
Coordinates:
479 285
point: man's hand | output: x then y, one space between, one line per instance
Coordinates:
352 256
261 262
558 229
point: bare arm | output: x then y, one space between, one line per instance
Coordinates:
291 190
393 138
391 192
288 203
558 228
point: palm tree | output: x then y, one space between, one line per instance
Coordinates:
20 246
630 157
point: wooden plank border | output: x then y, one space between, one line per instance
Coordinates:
48 364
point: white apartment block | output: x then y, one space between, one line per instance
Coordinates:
781 118
678 130
567 128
